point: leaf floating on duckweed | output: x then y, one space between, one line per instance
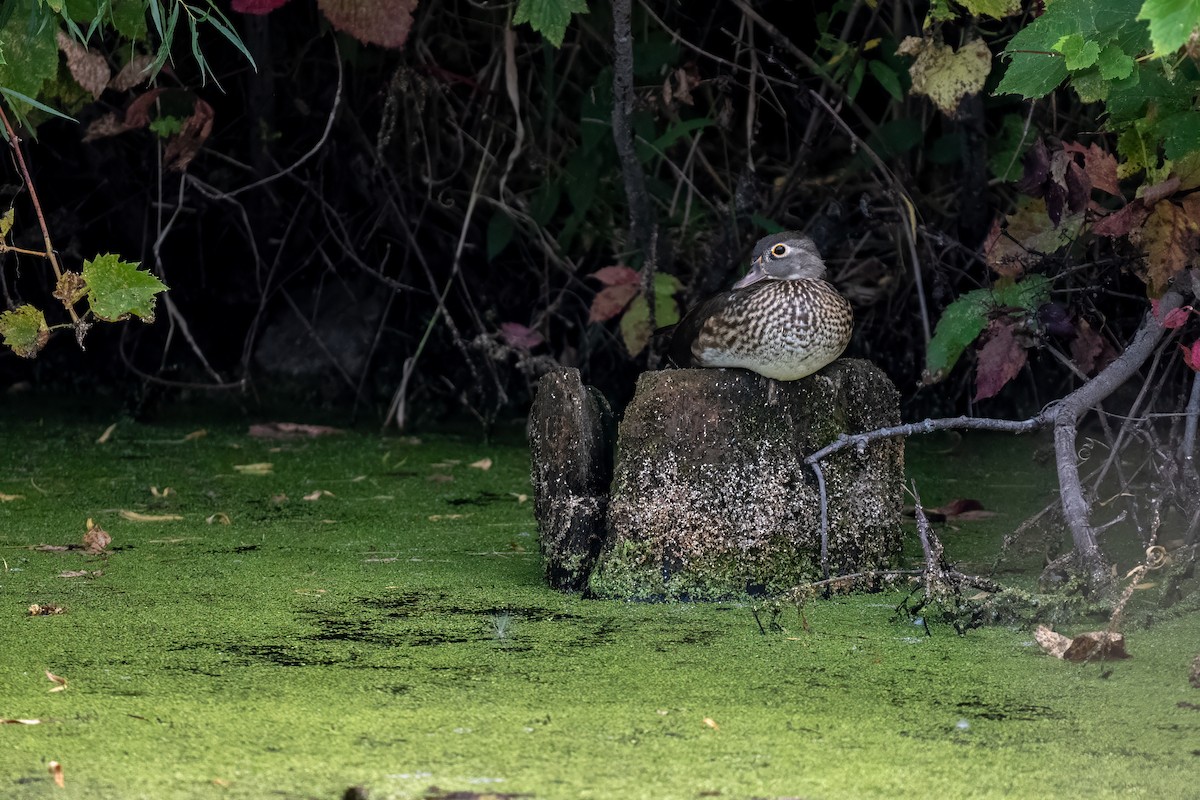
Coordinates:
291 430
317 495
96 539
81 573
8 498
194 435
710 722
20 722
439 477
483 464
108 432
440 517
1084 647
60 683
134 516
220 517
261 468
48 610
56 772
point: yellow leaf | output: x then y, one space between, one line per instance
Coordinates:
108 432
261 468
134 516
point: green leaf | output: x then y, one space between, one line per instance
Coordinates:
549 17
6 222
1079 53
499 234
1114 63
32 57
1091 86
997 9
635 325
965 318
129 18
666 307
117 289
24 330
1171 23
887 78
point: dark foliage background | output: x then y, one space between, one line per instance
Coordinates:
363 223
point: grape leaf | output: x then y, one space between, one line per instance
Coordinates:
993 8
31 56
1000 359
549 17
1169 236
943 74
1078 52
382 22
635 326
117 289
1114 63
666 308
1171 23
24 330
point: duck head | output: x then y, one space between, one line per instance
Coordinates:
786 256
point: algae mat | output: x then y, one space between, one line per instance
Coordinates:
392 633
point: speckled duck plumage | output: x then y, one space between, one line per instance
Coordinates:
783 320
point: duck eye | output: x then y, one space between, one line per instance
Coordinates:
779 250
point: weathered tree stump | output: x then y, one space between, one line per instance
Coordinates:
710 497
570 441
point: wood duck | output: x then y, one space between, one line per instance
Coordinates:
782 320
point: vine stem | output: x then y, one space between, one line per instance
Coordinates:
15 143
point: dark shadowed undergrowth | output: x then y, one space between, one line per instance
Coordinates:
394 633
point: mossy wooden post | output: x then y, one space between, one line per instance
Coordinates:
570 444
710 496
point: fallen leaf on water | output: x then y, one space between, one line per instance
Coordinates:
59 681
358 479
80 573
279 499
166 492
51 548
108 432
8 498
440 517
56 772
1084 647
95 540
380 560
438 477
483 464
290 430
224 784
521 498
220 517
317 495
20 722
449 462
261 468
175 540
134 516
710 722
47 610
194 435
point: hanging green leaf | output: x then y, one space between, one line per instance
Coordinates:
24 330
117 289
1171 23
549 17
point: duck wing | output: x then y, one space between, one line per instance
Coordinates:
688 329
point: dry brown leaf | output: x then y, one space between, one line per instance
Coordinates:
483 464
1084 647
220 517
167 492
51 548
95 540
382 22
60 683
20 722
438 477
134 516
56 772
81 573
521 498
1052 642
90 70
712 723
279 499
260 468
8 498
290 430
194 435
132 74
440 517
108 432
447 464
48 610
317 495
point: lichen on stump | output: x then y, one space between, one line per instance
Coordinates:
570 446
710 496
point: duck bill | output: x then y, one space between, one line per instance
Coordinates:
756 274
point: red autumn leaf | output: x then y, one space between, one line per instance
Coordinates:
137 114
1000 359
383 22
1090 351
1123 220
184 146
256 6
1176 317
520 337
1191 355
617 276
1169 237
89 69
611 301
1101 166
